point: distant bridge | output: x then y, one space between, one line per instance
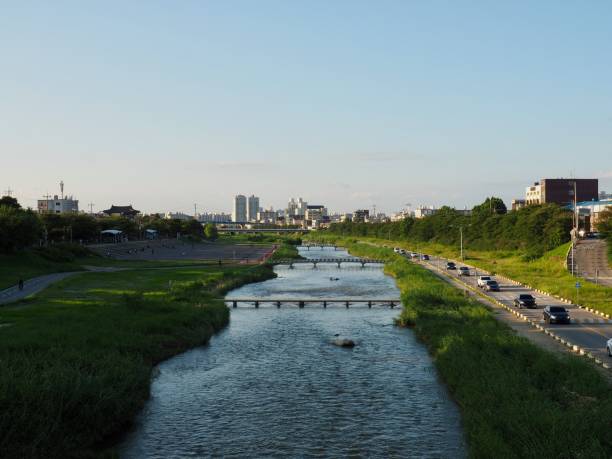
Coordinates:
321 246
263 230
338 261
302 302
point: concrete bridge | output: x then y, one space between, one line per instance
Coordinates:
302 302
321 246
337 261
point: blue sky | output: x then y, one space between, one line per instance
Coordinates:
346 103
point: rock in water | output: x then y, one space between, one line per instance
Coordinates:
344 342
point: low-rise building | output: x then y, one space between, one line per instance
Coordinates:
121 211
361 215
424 211
588 213
58 205
518 204
177 216
561 191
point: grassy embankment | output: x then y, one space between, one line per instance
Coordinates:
77 359
547 273
516 399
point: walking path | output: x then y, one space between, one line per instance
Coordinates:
592 261
32 286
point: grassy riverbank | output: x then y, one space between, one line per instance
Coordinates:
77 359
546 272
516 399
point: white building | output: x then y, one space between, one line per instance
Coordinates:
58 205
213 217
177 216
252 208
533 194
267 216
239 212
297 208
424 211
316 212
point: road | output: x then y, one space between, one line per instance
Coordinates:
586 329
592 261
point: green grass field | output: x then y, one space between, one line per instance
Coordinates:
76 360
516 399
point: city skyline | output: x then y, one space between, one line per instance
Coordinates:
402 103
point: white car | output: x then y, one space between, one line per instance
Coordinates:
609 347
402 251
482 280
396 250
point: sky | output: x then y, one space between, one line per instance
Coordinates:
349 104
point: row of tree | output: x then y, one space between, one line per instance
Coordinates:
489 227
20 228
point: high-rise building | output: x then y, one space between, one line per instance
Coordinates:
297 208
239 212
252 208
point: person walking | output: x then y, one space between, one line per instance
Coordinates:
20 284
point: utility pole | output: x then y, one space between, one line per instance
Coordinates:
91 205
195 211
461 240
575 235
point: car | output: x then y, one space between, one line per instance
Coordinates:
463 271
491 286
424 257
556 314
396 250
414 255
609 347
451 265
482 280
525 300
402 251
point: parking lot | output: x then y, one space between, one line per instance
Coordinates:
170 249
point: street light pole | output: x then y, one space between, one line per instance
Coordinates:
461 240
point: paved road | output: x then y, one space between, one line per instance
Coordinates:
587 330
32 286
592 261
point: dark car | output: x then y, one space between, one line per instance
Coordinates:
451 265
524 300
491 286
463 271
424 257
556 314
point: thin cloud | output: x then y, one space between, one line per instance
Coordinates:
240 164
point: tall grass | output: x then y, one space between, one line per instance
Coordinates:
516 399
76 363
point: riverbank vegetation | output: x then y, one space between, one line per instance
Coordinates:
532 229
516 399
528 245
77 359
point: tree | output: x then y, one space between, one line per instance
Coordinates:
192 228
18 228
9 201
210 232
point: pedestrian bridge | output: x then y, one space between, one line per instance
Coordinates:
337 261
321 246
324 302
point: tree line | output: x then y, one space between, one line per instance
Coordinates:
21 228
490 226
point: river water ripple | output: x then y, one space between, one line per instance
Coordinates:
271 385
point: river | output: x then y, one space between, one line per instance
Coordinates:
272 385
